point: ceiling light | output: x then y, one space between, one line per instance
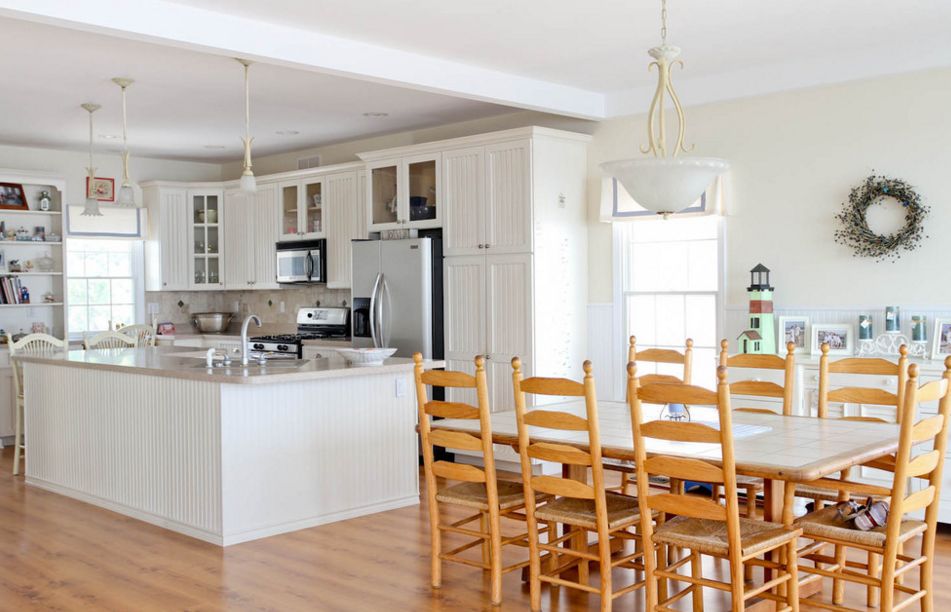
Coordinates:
91 205
660 183
126 193
214 146
287 132
376 115
247 182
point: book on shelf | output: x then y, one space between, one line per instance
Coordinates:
11 290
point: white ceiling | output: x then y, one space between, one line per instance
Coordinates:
184 101
427 61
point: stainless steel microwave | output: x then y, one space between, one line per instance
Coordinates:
302 261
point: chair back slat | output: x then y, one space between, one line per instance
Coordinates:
455 439
932 391
927 429
451 410
552 386
666 356
918 500
562 487
685 468
441 378
559 453
458 471
552 419
923 464
758 388
868 366
31 343
110 340
693 506
681 432
145 333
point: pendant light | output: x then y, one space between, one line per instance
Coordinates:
126 192
91 206
665 183
248 182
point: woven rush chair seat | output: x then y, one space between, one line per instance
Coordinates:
472 495
710 537
580 512
829 524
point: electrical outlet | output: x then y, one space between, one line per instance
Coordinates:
400 387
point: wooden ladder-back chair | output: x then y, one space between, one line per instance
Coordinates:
584 508
826 526
761 389
699 524
655 356
110 340
479 490
143 332
32 343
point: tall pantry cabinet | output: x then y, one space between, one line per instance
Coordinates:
516 256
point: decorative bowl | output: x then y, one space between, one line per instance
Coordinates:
363 357
211 322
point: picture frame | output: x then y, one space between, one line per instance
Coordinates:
12 197
103 188
840 336
941 339
795 329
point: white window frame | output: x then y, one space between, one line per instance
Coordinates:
138 280
621 332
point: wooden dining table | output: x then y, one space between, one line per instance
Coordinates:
775 448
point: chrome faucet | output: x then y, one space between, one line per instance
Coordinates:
244 337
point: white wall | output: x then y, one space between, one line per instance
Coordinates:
795 156
72 166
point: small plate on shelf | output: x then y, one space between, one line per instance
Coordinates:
364 357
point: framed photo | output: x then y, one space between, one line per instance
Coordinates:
12 197
793 329
103 188
942 339
840 336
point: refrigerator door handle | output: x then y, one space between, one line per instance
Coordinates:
374 305
385 310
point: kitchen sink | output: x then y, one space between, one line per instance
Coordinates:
235 366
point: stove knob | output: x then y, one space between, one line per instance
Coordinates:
282 347
258 347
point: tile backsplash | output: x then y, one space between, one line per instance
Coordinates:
266 304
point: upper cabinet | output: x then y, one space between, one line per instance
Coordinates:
168 245
346 220
404 192
302 204
205 223
250 231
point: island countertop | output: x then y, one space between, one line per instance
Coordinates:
189 364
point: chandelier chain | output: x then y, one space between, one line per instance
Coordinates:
663 21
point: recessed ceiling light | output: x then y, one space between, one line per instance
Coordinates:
287 132
214 146
110 136
376 115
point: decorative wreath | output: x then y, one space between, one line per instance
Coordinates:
855 233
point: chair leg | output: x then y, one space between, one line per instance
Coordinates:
18 437
872 593
696 571
436 544
888 586
486 545
580 542
737 586
838 586
792 567
663 554
604 554
534 561
552 557
751 503
495 555
625 481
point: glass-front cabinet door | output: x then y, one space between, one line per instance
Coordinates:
422 179
205 218
311 209
290 217
383 189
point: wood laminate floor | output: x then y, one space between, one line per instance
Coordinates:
61 554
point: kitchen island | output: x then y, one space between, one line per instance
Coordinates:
225 455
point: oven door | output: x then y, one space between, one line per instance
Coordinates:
294 266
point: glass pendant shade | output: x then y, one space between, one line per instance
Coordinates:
248 182
666 185
91 208
126 196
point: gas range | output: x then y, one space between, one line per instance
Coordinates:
312 324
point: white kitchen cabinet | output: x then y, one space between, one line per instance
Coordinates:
346 221
167 247
250 230
405 192
301 209
464 189
205 225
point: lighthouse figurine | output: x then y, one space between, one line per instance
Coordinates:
760 338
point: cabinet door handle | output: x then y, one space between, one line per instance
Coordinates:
481 246
487 245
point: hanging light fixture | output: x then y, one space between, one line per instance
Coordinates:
665 183
91 205
248 182
126 193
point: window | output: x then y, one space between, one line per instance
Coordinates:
754 323
103 284
669 289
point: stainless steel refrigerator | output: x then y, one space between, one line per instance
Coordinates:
396 295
